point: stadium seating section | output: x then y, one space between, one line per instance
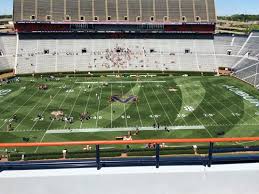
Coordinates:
115 10
65 53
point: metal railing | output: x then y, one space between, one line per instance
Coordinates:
207 160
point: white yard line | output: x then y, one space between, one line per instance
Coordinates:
162 106
46 107
150 128
134 128
201 122
207 102
252 117
202 111
209 132
120 82
15 98
97 116
22 105
40 141
31 109
137 106
73 105
219 111
125 112
87 103
186 105
60 106
149 105
172 103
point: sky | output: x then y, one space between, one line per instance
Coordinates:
224 7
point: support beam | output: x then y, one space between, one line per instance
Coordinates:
98 163
210 154
157 155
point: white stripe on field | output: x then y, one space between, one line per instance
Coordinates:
120 82
91 130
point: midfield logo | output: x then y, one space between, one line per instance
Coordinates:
117 98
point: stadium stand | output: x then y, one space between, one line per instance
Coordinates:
115 15
7 51
229 45
66 53
74 55
122 10
250 47
247 70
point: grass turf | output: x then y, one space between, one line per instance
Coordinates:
196 101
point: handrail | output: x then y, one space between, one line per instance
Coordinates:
126 142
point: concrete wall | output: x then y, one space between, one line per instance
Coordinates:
222 179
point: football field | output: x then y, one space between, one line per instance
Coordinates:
103 108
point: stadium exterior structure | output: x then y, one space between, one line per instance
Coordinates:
113 15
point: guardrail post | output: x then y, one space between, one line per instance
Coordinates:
157 155
98 163
210 154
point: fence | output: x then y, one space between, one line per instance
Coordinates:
215 155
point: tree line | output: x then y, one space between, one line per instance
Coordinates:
5 16
240 17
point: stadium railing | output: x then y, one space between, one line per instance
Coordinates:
215 155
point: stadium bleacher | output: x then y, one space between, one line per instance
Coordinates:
122 10
64 53
7 52
71 55
250 47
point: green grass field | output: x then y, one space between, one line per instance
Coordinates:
190 107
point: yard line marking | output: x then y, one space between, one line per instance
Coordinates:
207 102
60 106
125 113
149 128
209 132
46 107
73 105
137 106
31 109
149 105
120 82
219 111
204 112
111 106
40 141
22 105
134 127
161 106
15 99
173 105
87 103
99 97
237 105
185 105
